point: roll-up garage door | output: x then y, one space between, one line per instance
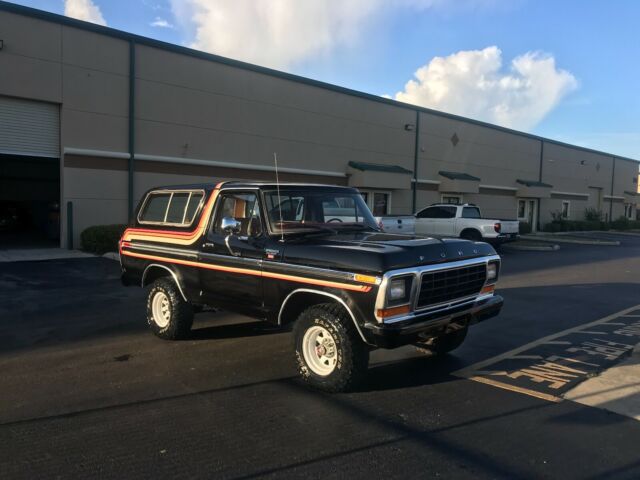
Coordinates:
29 128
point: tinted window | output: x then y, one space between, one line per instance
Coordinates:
155 207
192 207
431 212
448 212
177 207
470 212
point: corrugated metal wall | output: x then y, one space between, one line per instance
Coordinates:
29 128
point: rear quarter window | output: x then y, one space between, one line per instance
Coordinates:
177 208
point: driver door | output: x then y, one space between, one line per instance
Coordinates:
232 259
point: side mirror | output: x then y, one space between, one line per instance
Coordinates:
230 225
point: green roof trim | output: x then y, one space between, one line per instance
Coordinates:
458 176
376 167
533 183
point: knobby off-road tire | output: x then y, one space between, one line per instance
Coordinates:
444 343
169 316
329 352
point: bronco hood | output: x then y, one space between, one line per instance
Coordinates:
379 252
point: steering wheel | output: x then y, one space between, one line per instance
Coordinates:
334 220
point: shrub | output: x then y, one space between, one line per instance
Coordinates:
101 239
525 228
592 215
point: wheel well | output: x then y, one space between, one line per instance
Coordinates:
299 302
154 272
473 231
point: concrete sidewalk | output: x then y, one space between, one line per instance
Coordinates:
39 254
616 389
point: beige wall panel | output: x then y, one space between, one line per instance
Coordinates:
219 112
30 78
169 140
30 37
626 173
95 183
549 205
444 128
424 198
97 197
494 206
574 170
94 131
95 91
92 50
401 202
209 76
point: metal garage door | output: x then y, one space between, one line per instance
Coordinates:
29 128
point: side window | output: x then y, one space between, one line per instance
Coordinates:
155 207
470 212
244 208
431 212
177 208
448 212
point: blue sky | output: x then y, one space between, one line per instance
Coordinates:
577 61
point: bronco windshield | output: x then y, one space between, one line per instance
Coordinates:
307 210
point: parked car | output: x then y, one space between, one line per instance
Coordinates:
465 221
308 256
448 220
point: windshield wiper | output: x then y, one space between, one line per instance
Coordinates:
359 227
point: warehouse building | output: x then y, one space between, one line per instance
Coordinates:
91 117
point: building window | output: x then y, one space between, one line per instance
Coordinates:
378 202
522 209
452 199
566 204
628 210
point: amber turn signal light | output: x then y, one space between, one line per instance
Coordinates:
487 289
393 311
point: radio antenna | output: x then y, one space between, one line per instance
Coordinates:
275 161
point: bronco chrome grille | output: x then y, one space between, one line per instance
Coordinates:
443 286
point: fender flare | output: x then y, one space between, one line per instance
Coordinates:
326 294
173 275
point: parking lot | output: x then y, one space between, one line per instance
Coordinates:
88 391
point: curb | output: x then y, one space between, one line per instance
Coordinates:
576 241
112 256
532 248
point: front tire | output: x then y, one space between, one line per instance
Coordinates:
444 343
329 352
169 316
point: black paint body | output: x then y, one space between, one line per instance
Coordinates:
316 261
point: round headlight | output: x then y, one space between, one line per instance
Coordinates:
397 289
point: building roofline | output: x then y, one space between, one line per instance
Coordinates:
139 39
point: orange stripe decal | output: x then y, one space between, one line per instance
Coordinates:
247 271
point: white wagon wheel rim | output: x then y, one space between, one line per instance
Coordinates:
319 350
161 309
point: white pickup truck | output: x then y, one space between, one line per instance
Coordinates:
447 220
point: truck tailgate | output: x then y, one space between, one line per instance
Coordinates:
509 226
398 224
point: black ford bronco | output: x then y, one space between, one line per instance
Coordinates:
308 255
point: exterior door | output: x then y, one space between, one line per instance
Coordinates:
528 212
233 271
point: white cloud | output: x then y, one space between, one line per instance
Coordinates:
84 10
278 33
161 23
473 83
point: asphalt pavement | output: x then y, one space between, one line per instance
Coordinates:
87 391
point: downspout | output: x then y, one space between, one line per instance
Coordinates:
613 175
415 163
540 180
132 98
